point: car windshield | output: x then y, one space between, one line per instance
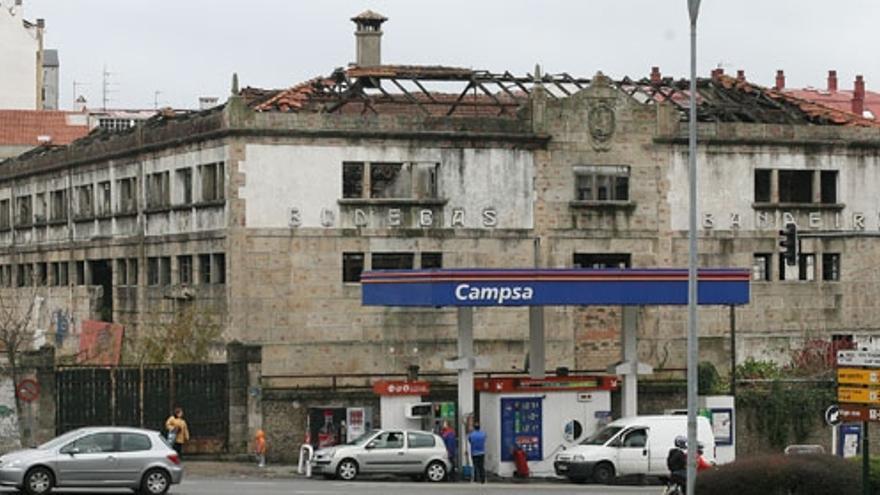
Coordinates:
363 438
602 436
61 440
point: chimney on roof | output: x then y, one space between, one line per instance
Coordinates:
369 38
655 75
780 80
741 75
858 99
832 81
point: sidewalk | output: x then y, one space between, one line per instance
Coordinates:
232 469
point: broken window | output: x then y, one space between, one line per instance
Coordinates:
40 208
352 266
213 182
59 205
23 210
601 183
85 207
104 198
762 185
353 180
59 273
831 267
121 272
4 214
153 271
761 267
432 261
387 180
219 267
25 276
601 260
42 274
828 186
184 270
205 269
392 261
132 271
157 190
804 270
80 273
796 186
127 195
184 186
165 270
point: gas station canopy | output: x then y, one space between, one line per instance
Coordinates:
548 287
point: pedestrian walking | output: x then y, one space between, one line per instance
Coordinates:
176 430
448 435
260 448
477 441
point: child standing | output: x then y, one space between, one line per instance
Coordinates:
260 448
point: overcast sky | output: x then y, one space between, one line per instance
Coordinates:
190 48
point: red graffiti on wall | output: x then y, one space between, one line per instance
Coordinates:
100 343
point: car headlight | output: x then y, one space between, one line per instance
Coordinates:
13 463
577 458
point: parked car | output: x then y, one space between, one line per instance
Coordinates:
414 453
637 445
95 457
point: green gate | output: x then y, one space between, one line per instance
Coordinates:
144 397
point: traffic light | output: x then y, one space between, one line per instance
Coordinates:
788 244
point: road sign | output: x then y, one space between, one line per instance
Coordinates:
28 390
858 358
832 415
858 395
852 413
856 376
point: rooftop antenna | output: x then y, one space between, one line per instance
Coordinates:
156 99
106 87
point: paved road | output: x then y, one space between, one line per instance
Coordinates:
216 486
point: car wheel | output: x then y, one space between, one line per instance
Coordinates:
347 469
155 482
435 472
603 473
38 481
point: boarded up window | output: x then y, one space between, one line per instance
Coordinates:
59 205
213 182
157 190
85 206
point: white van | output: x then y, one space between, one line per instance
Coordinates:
630 446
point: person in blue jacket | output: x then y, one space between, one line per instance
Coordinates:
448 435
477 441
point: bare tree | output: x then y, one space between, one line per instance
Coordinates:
188 338
18 332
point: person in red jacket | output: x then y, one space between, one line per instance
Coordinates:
520 462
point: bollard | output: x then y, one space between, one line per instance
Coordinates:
305 460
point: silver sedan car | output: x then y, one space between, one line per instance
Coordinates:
407 452
95 457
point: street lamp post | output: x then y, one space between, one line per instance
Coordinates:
693 351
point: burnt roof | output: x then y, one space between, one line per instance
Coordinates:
412 89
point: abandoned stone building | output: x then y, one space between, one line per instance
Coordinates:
264 211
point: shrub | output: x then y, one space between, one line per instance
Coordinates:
780 474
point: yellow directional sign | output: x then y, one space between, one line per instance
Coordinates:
855 376
858 395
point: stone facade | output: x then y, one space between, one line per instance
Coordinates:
254 215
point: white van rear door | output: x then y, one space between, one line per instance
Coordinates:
632 448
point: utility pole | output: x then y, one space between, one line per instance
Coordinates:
693 349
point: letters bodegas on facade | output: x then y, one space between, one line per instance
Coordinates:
265 210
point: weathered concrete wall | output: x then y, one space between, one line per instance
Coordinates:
18 57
